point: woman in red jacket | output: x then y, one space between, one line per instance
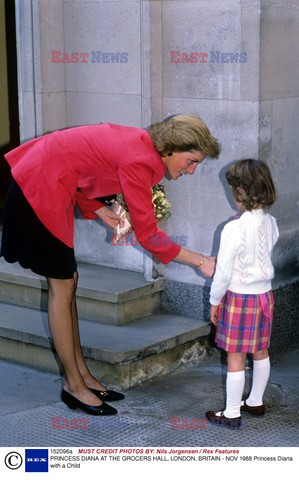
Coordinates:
53 173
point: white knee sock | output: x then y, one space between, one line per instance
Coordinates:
235 382
261 373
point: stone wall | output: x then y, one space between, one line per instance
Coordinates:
258 117
221 89
279 122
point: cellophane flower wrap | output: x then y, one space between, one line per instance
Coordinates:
119 206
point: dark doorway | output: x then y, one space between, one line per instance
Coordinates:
11 117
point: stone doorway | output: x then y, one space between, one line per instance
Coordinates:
9 117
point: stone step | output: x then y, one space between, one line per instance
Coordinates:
105 295
120 356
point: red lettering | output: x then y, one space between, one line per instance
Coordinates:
56 422
134 240
75 57
174 56
174 421
84 55
193 57
74 423
65 424
114 239
203 57
203 422
185 423
121 242
126 241
84 422
185 58
55 58
194 423
65 58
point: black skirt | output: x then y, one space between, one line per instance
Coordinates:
27 241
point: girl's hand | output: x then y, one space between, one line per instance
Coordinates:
109 217
213 314
208 266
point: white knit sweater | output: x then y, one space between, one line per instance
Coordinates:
244 259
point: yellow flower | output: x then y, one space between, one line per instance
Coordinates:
159 200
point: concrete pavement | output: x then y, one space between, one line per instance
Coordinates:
33 415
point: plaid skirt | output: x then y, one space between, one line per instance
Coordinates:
245 321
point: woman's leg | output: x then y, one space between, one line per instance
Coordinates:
235 382
61 294
261 373
89 380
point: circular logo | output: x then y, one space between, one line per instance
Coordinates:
13 460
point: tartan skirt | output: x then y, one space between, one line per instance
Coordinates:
244 322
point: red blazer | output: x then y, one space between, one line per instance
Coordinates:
76 165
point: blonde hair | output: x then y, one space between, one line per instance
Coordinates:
251 183
183 133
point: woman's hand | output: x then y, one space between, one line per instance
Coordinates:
213 314
109 217
208 266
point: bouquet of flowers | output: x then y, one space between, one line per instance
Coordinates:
160 202
119 206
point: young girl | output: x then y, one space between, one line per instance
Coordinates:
241 297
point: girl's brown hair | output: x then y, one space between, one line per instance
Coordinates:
251 184
183 133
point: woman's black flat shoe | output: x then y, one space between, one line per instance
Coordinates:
73 403
108 395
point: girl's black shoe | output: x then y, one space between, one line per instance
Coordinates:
233 423
73 403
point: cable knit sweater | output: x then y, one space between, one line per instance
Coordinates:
244 259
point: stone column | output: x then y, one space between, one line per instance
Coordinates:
279 125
